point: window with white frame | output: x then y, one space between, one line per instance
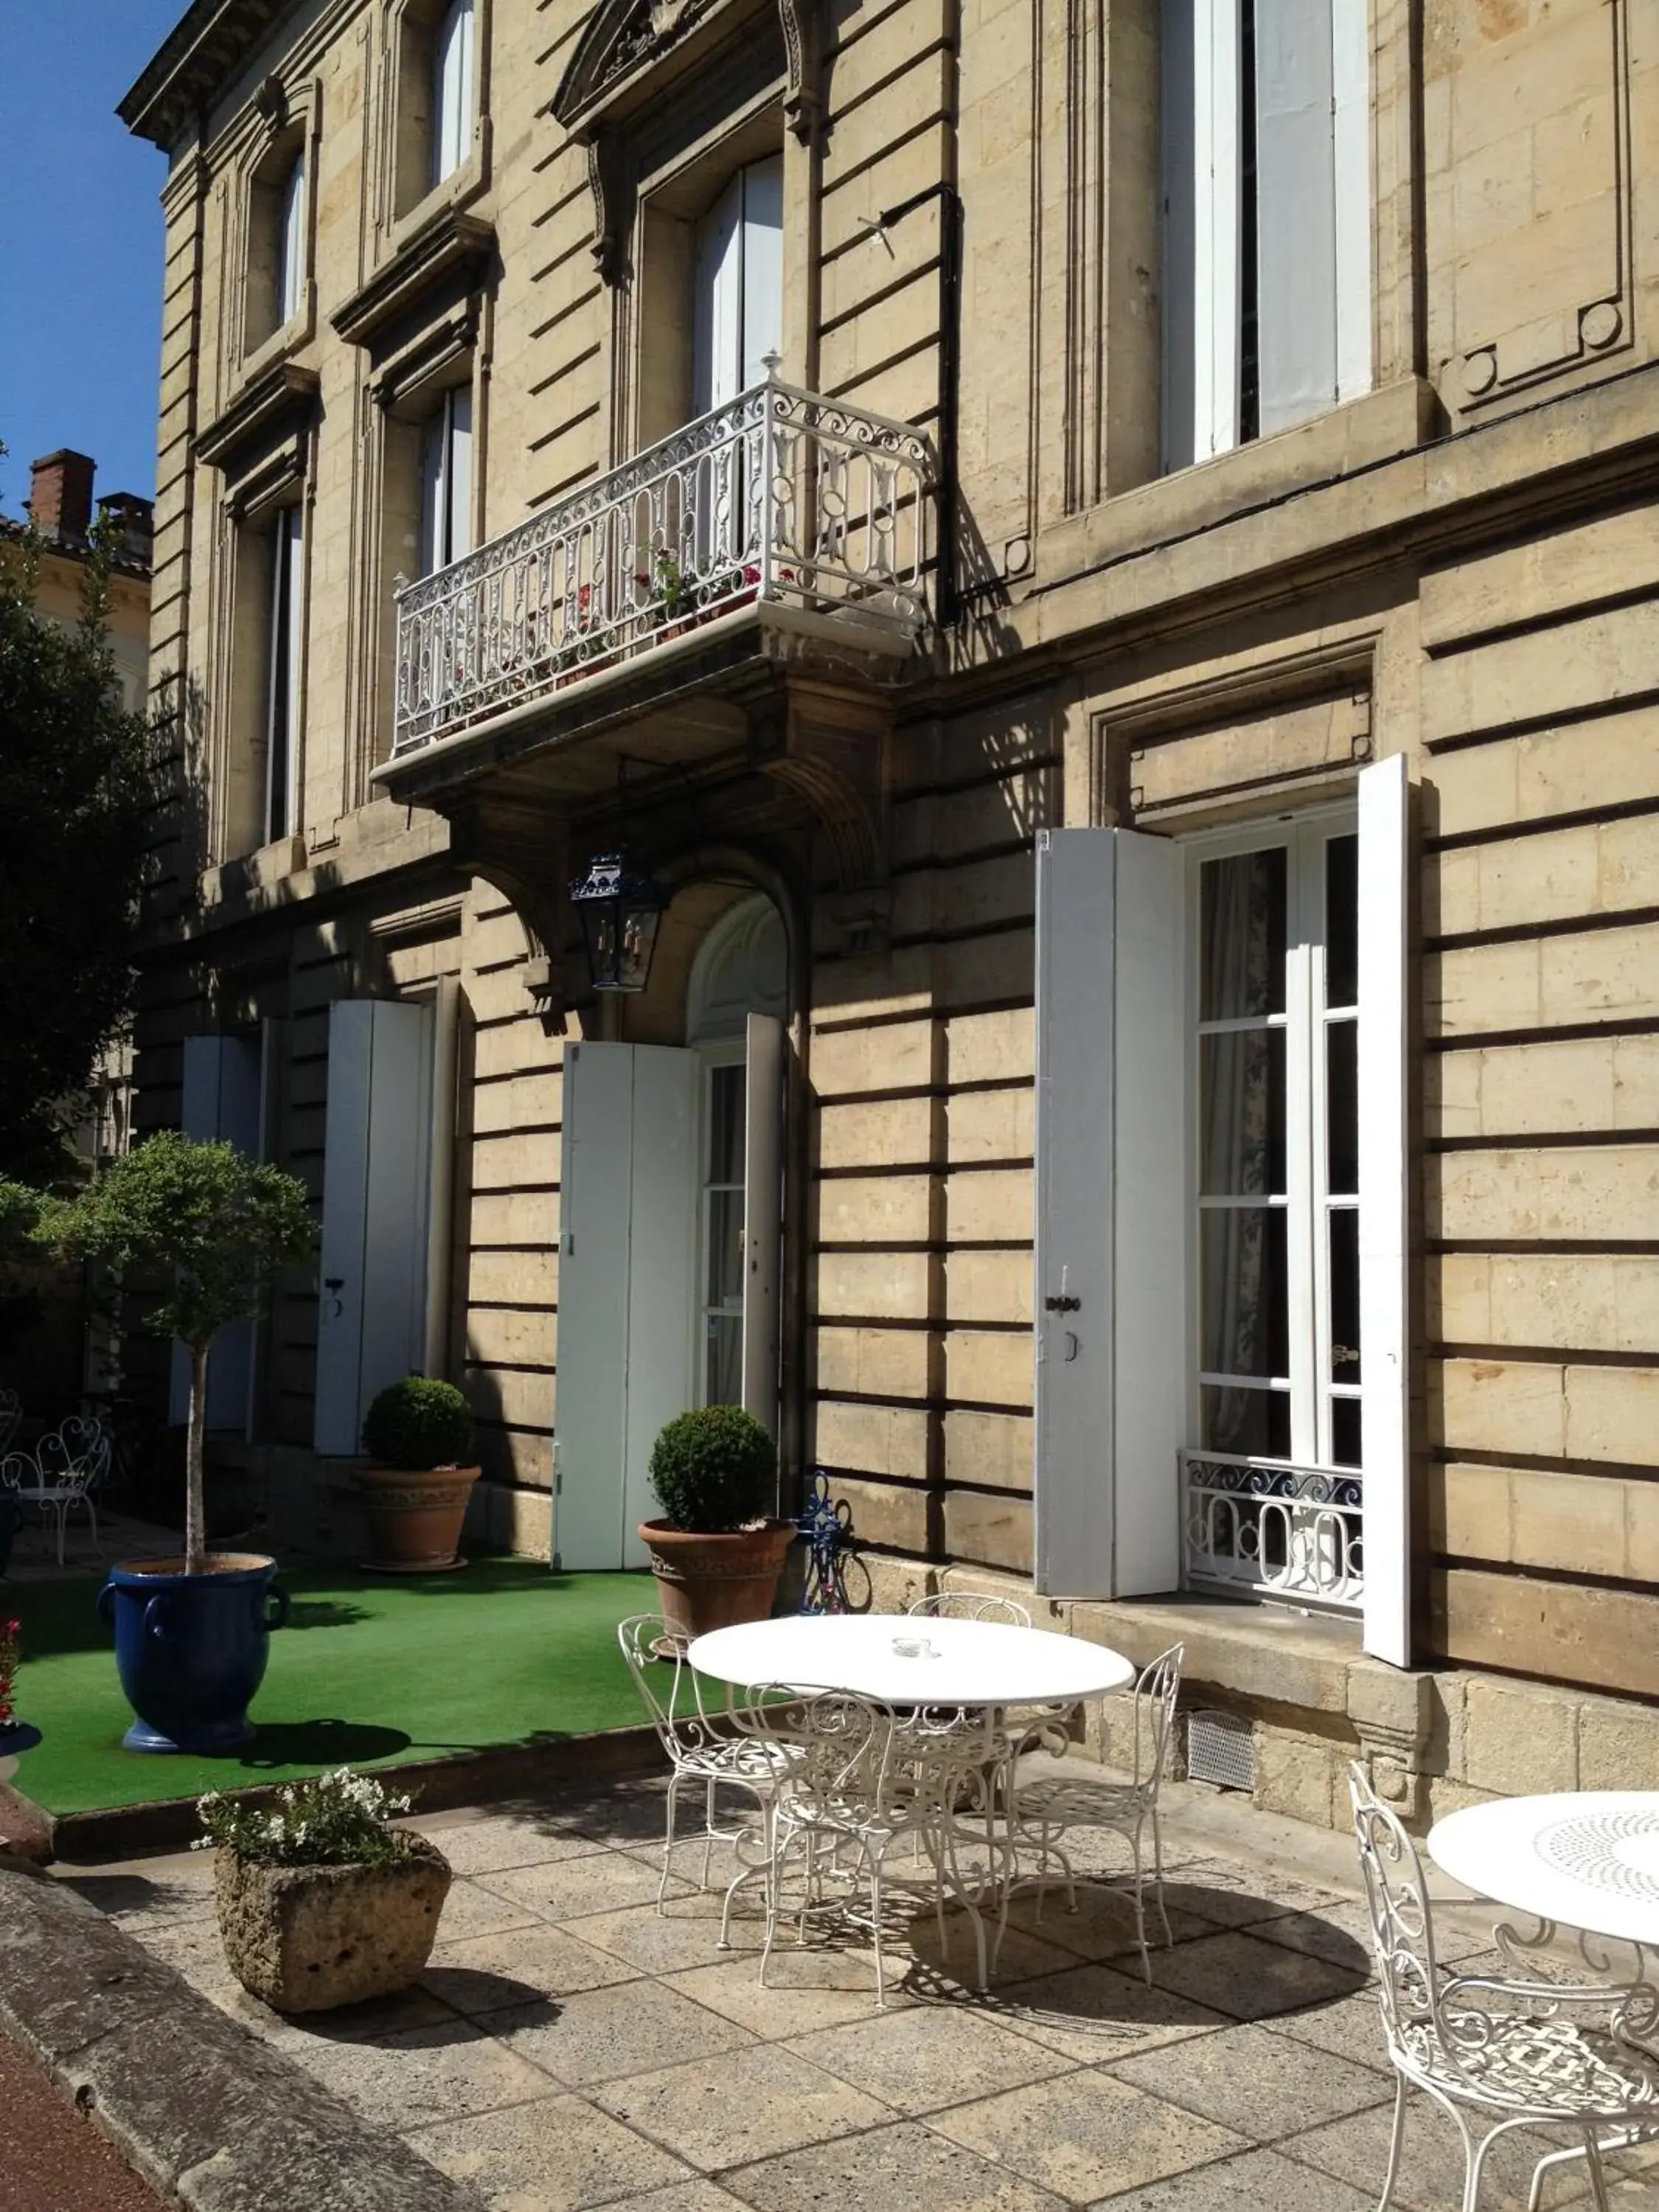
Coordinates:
452 79
284 635
1266 217
291 242
447 481
1276 1043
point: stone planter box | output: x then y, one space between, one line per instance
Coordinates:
308 1938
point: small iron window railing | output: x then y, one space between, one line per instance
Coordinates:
1276 1530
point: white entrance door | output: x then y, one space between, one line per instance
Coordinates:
377 1173
627 1288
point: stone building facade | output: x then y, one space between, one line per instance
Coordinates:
1106 562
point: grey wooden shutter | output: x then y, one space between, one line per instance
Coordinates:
1112 1334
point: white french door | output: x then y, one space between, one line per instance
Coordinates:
1276 1044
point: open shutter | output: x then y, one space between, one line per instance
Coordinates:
1200 79
1111 1305
1385 1307
1351 108
717 317
1296 216
763 1224
627 1290
221 1097
762 266
371 1326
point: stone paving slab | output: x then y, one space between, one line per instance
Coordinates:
572 2046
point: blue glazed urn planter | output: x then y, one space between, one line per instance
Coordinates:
16 1738
191 1649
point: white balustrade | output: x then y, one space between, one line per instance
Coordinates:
779 497
1280 1530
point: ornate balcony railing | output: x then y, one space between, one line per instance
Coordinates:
780 497
1294 1532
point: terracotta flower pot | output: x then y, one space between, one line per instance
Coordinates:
415 1519
709 1581
307 1938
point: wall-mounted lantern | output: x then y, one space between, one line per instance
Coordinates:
619 911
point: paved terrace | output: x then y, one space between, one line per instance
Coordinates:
570 2047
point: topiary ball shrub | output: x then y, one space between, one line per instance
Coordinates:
715 1469
418 1423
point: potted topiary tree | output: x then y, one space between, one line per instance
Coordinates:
419 1431
191 1634
322 1902
716 1553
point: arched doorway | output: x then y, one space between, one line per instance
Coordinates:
671 1194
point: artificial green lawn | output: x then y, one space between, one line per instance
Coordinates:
373 1671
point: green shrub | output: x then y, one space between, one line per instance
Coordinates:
418 1423
332 1820
715 1468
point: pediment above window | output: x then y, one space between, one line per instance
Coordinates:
633 51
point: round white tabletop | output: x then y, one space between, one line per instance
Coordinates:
907 1659
1586 1859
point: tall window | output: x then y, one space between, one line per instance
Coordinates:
452 90
291 242
1278 1151
447 482
722 1230
1266 217
283 677
737 298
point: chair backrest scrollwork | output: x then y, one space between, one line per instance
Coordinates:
670 1689
73 1457
1157 1693
1403 1928
972 1605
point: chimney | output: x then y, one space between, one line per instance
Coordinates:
60 494
134 519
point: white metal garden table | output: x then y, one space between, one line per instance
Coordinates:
1586 1860
909 1659
947 1684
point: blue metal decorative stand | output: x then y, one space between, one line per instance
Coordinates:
824 1529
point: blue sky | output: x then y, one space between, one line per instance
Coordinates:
80 240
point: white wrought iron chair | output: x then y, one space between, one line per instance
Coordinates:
705 1748
1044 1806
972 1605
63 1471
1483 2044
867 1785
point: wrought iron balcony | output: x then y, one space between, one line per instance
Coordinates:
781 500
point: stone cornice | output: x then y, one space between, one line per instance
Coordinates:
450 244
214 38
284 391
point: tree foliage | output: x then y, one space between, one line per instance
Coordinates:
76 801
215 1229
220 1225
